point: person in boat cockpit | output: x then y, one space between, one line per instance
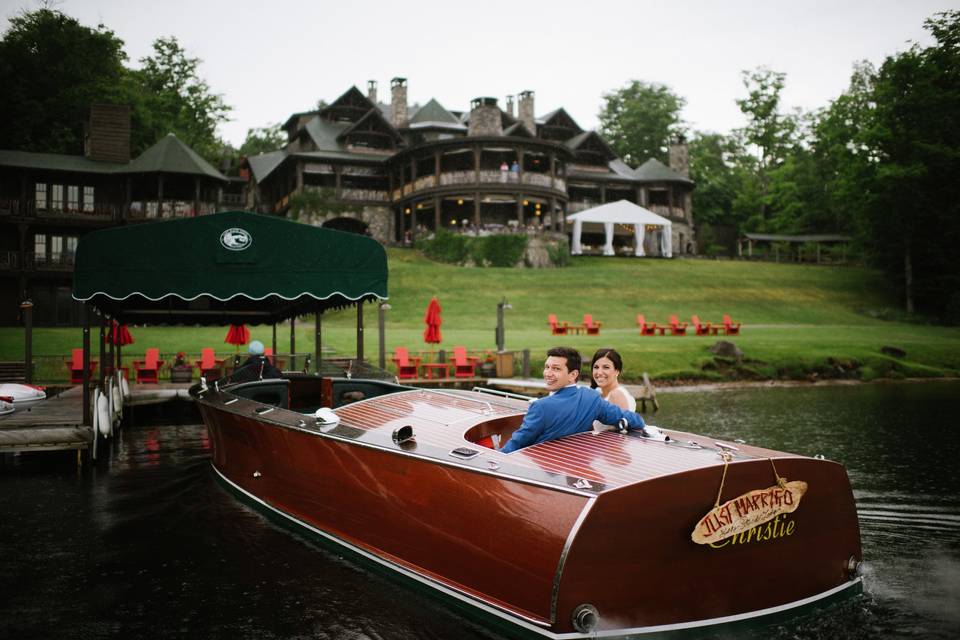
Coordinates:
259 364
568 409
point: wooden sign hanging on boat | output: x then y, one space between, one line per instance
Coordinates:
747 511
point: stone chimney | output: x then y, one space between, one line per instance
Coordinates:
107 133
525 108
679 155
510 106
372 91
485 118
398 102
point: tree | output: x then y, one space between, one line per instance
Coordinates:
713 167
262 140
170 97
768 131
912 213
51 69
639 120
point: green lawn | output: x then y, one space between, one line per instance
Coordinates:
797 318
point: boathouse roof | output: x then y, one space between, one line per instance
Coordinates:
225 268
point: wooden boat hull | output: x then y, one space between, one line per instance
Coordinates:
534 554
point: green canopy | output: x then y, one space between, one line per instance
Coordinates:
230 267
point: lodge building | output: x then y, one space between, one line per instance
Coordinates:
396 171
49 200
393 171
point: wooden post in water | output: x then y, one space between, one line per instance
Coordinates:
318 329
648 393
26 308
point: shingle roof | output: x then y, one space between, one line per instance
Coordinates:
263 164
56 162
655 171
434 112
170 155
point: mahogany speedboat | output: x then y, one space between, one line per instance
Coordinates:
588 536
592 535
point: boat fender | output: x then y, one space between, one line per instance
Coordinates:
94 414
654 433
103 415
585 618
326 417
117 399
124 387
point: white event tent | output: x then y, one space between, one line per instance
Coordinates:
625 213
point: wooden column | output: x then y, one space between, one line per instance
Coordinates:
553 171
476 210
520 208
196 196
437 219
436 168
476 164
338 186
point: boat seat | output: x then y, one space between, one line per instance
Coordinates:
272 391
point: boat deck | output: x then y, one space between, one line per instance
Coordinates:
444 419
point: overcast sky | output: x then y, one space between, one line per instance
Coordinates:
270 59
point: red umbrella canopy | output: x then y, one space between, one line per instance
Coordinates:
238 334
431 335
120 334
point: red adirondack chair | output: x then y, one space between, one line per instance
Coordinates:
407 365
75 365
703 328
557 328
646 329
210 366
589 326
730 327
677 328
148 369
463 365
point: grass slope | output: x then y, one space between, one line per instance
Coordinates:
798 319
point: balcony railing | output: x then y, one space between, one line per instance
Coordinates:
376 195
666 211
486 176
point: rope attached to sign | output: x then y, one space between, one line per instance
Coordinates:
727 457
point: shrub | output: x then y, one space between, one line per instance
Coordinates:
444 246
559 253
503 250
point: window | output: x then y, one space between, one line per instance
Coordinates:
39 247
40 195
56 248
73 197
88 199
56 197
71 244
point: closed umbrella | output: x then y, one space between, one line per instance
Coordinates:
120 334
431 335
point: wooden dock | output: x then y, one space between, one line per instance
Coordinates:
51 425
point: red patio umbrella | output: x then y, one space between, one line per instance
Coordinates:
120 334
431 335
237 335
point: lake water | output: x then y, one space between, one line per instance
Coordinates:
148 545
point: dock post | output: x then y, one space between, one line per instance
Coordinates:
85 322
526 363
26 308
318 328
293 343
360 330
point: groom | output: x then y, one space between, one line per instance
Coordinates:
568 409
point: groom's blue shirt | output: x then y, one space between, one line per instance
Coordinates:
565 412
